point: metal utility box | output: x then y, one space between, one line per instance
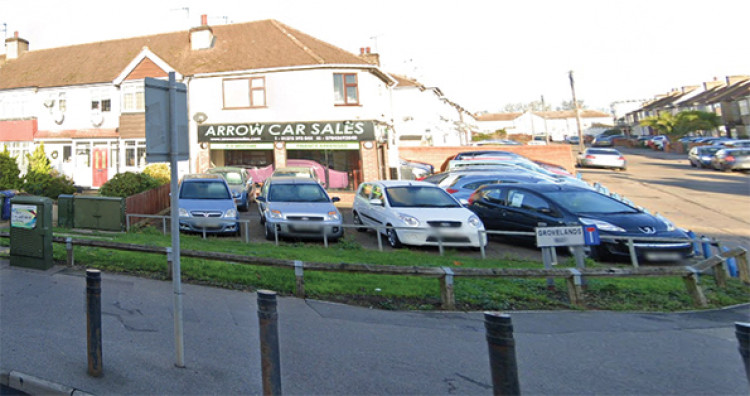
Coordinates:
65 211
99 213
31 232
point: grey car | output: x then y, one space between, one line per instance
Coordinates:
732 159
298 207
602 158
206 205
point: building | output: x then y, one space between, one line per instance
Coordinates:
259 93
555 124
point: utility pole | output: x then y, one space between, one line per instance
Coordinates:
544 116
578 111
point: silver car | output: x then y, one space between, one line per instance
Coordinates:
298 207
602 158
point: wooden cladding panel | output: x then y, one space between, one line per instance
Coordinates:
146 68
133 126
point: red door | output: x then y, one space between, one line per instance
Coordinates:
100 167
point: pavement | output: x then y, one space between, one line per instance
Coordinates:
334 349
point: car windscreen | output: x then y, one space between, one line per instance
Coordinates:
602 152
297 193
209 189
420 197
582 201
231 177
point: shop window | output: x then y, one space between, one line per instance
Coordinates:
345 89
243 93
67 153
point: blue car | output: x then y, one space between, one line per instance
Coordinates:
242 186
521 207
700 156
206 205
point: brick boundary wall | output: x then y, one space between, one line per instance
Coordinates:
558 154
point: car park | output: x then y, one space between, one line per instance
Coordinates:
416 213
205 204
732 159
519 165
700 156
737 143
573 139
522 207
298 207
480 154
601 158
242 186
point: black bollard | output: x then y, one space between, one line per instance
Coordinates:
270 361
94 321
502 349
742 330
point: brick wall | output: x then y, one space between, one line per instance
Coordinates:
559 154
369 163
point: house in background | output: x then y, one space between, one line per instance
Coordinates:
555 124
259 93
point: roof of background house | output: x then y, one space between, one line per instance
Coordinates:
242 46
406 81
543 114
497 116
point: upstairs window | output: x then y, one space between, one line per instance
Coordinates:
132 99
242 93
345 89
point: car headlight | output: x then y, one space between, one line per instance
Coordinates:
231 213
601 225
183 212
333 215
275 214
236 194
475 222
409 220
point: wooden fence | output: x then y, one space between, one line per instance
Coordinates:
152 201
573 276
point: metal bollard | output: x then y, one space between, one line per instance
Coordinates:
69 248
706 244
696 245
502 350
731 263
742 331
269 342
94 321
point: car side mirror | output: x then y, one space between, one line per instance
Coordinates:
260 199
376 202
335 199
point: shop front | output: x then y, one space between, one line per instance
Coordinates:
343 153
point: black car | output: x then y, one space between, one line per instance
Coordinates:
521 207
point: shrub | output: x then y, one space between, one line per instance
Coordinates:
50 184
126 184
9 171
160 172
38 161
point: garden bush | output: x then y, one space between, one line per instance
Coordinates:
50 184
9 172
126 184
160 172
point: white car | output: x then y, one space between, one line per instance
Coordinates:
416 213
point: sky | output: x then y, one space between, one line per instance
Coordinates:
482 54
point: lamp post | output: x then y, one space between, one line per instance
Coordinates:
578 112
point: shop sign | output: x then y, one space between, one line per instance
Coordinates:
323 146
323 131
242 146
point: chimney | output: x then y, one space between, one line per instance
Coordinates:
369 57
709 85
15 47
731 80
202 37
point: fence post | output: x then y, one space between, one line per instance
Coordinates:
743 267
380 241
325 236
547 260
580 257
575 290
694 289
270 361
94 321
447 297
127 222
502 351
69 249
164 225
246 231
481 243
742 331
720 274
299 275
633 254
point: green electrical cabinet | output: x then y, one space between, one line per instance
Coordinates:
99 213
65 211
31 232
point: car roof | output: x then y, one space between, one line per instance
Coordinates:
541 187
202 176
293 169
403 183
226 168
291 180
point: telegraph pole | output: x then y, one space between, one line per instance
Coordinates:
578 112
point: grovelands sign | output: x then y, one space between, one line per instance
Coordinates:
323 131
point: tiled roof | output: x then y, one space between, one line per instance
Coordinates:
242 46
406 81
572 114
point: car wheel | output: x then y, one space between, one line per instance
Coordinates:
269 234
624 168
693 164
393 240
358 221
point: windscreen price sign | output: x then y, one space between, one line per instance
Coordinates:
559 236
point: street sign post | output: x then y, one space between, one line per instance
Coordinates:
167 140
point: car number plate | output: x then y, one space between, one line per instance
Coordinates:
663 256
